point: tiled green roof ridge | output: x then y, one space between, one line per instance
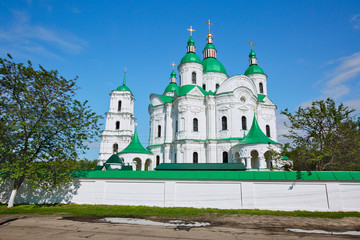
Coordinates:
223 175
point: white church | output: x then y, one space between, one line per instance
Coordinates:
204 116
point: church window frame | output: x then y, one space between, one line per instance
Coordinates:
157 160
115 148
243 123
225 157
261 87
117 125
195 157
224 123
268 133
195 125
159 131
193 77
119 106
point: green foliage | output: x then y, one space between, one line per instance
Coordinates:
324 137
43 127
146 212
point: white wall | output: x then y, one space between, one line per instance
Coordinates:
282 195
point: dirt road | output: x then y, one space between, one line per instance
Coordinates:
35 227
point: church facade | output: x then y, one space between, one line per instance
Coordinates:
205 116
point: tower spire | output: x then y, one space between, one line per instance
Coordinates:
209 50
252 55
124 81
191 43
173 74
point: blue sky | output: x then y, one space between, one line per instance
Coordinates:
310 50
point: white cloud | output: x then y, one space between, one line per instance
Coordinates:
339 83
353 104
23 35
355 20
281 129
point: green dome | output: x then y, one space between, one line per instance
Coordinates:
172 87
123 88
213 65
173 74
209 46
190 57
254 69
252 54
191 42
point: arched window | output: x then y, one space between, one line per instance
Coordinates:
176 126
261 88
225 157
175 158
243 123
159 131
193 77
115 148
117 125
224 123
157 160
268 131
204 86
195 125
217 86
119 106
195 157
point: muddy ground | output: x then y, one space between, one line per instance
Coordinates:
38 227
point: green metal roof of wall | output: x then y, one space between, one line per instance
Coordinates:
223 175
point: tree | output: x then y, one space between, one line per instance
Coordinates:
324 137
43 127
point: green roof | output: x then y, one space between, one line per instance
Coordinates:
252 54
114 159
213 65
135 145
172 87
187 88
123 88
201 166
98 167
191 41
165 99
223 175
254 69
209 46
173 74
261 97
190 57
255 135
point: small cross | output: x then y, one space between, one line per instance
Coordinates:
125 70
173 64
209 23
191 30
251 43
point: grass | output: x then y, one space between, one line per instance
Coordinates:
76 210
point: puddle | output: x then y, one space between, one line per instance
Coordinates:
171 223
354 233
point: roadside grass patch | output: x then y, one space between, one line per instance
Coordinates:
85 210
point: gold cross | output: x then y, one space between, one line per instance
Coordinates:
173 64
191 30
125 70
251 43
208 22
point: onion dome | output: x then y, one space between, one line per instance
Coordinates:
123 87
253 67
135 146
210 63
256 135
172 87
190 56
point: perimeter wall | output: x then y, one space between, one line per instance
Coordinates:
224 194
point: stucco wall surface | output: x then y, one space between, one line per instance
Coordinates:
223 194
